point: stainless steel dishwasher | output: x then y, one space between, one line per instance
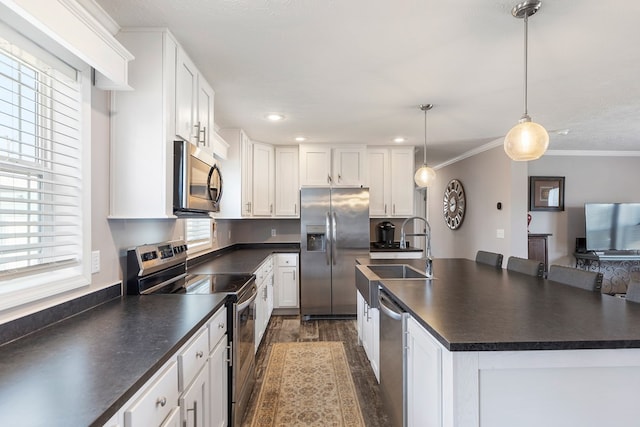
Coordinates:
392 354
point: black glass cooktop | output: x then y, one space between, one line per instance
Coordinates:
216 283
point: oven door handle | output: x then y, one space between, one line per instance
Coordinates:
245 304
166 282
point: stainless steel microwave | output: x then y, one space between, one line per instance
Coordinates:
197 184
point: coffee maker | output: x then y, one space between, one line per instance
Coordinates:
385 232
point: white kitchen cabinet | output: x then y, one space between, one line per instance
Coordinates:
194 401
263 179
424 377
286 281
218 369
264 299
143 128
368 321
287 188
349 166
205 124
194 103
186 97
153 404
173 419
322 165
237 175
390 181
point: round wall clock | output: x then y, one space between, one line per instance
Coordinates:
454 204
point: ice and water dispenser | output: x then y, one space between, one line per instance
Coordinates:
316 238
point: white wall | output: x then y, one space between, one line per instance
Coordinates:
587 179
488 178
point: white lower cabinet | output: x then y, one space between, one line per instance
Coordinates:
286 281
191 389
156 401
264 300
194 400
424 377
369 333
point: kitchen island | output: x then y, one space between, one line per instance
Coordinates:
489 347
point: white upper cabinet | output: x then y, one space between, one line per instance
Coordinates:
263 179
349 166
236 174
287 176
315 165
194 103
143 128
390 181
322 165
186 95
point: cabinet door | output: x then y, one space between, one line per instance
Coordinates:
315 165
402 186
156 402
287 176
349 166
287 287
360 317
173 420
374 315
218 373
205 125
261 308
246 154
195 399
186 90
379 180
263 179
424 377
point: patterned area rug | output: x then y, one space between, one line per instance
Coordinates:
308 384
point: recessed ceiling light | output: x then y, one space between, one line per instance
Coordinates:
275 117
563 131
300 138
399 140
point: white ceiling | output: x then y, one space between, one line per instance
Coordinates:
355 71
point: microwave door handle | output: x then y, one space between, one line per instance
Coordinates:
209 184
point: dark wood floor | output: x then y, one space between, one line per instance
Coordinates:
292 329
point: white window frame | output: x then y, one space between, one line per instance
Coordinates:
23 289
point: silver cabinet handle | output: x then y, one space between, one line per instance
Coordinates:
220 325
271 208
161 401
197 132
329 179
203 132
295 208
339 178
199 355
195 414
385 208
394 208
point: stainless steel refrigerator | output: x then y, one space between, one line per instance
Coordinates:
334 231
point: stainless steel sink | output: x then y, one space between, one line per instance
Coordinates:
368 276
396 271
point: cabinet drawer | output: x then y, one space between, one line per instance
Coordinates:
156 402
192 358
287 260
217 327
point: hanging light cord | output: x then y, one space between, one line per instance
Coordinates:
526 21
425 138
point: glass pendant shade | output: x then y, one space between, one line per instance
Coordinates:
526 141
425 176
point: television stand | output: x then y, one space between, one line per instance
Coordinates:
617 267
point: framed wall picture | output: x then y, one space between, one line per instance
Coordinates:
546 193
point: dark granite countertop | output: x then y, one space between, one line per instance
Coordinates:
240 259
80 371
474 307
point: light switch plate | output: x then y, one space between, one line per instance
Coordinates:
95 262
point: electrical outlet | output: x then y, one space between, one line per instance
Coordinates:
500 233
273 232
95 262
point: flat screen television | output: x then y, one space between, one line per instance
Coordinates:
612 226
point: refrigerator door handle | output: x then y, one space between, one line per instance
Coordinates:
334 243
328 237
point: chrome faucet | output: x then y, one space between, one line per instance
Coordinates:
427 234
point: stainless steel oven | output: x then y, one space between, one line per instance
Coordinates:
161 268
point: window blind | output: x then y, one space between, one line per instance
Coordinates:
198 233
40 165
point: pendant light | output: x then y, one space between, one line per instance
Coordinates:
425 176
527 140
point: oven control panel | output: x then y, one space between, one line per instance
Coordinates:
152 257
